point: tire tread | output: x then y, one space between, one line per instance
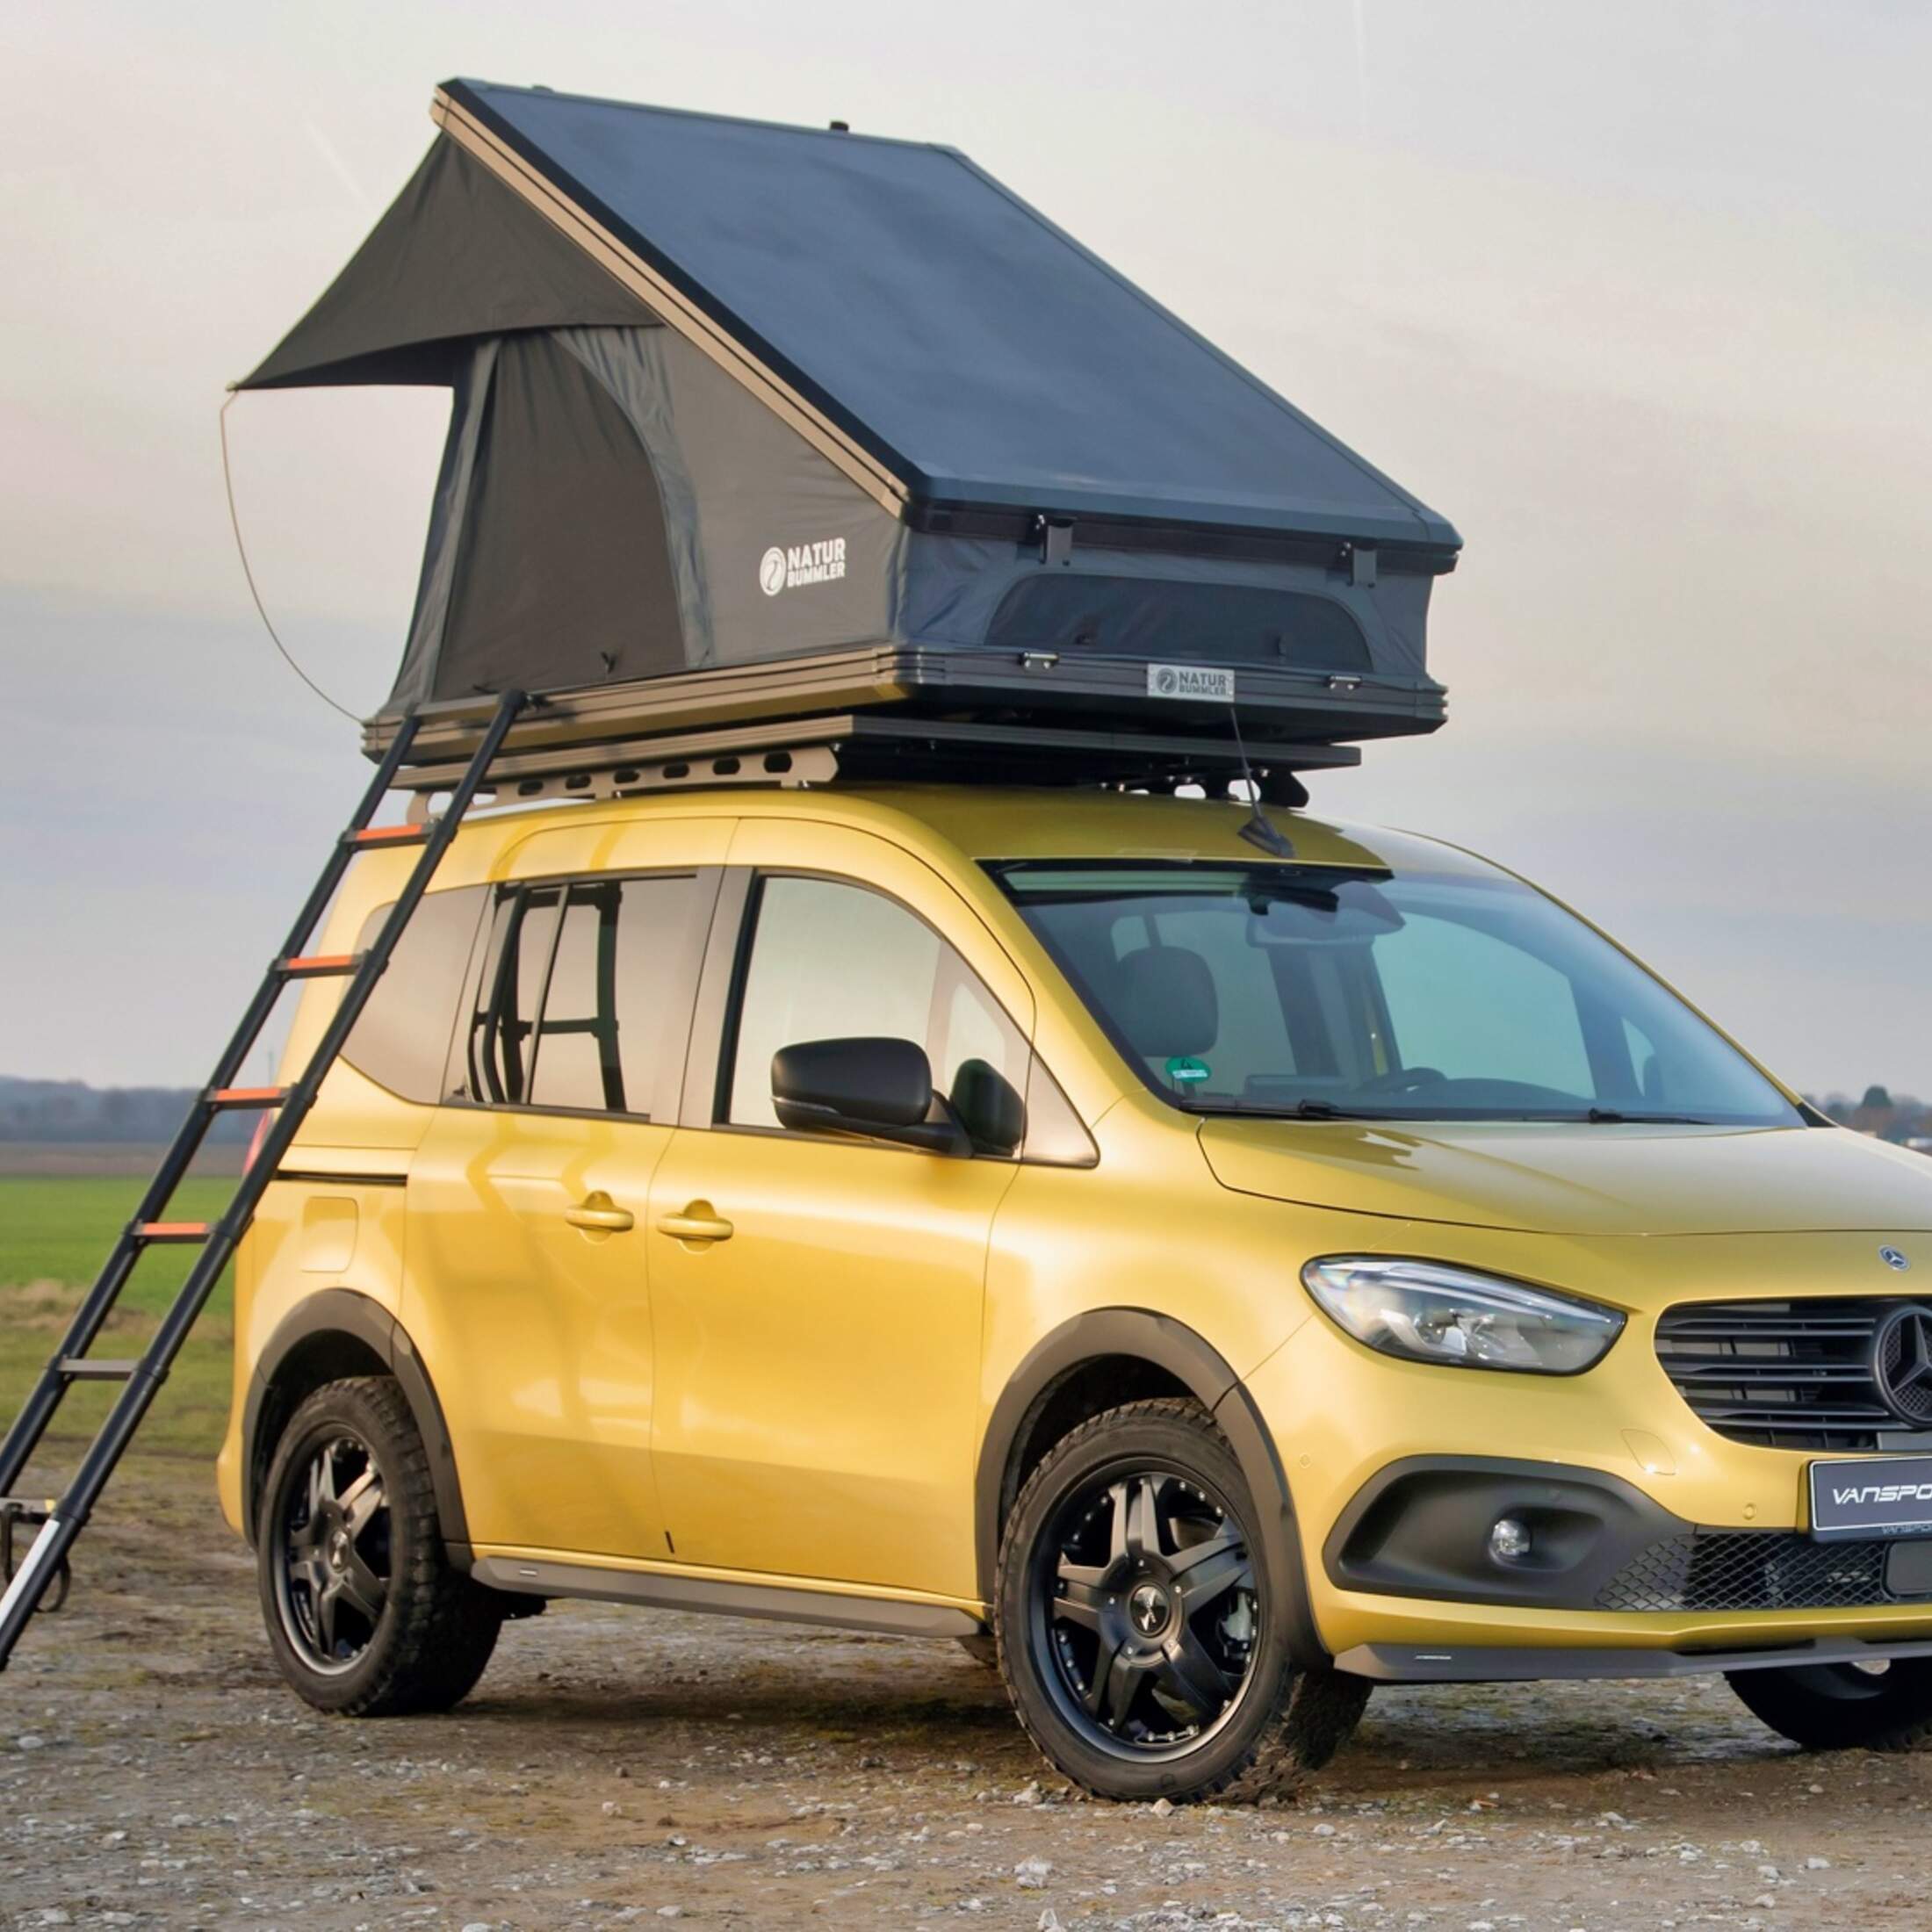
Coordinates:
446 1627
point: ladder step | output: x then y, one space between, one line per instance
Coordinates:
317 965
36 1534
387 835
225 1098
171 1230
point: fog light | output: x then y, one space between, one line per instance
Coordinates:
1509 1540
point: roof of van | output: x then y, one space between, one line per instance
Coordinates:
986 822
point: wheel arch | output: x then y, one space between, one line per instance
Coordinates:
335 1333
1132 1353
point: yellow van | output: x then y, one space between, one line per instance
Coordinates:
1224 1280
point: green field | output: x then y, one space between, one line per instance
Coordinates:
55 1230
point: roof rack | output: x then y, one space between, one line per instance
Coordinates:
890 746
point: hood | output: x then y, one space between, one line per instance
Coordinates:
1560 1177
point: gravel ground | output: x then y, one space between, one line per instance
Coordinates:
621 1767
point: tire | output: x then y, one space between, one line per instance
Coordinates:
366 1615
1136 1633
1842 1707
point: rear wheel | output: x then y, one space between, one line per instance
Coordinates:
365 1614
1843 1706
1136 1631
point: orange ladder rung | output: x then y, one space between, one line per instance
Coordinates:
387 835
246 1096
172 1230
317 965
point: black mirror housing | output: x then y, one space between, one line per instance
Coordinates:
874 1085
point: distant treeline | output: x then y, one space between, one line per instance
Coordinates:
61 1110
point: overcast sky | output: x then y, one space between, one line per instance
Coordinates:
1640 296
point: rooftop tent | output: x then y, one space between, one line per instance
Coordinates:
742 411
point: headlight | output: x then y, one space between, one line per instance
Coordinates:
1429 1313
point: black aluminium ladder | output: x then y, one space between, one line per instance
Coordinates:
59 1521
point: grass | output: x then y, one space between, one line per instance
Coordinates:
55 1230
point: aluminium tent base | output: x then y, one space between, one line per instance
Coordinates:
876 745
1061 690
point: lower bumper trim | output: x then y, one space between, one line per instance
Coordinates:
1493 1663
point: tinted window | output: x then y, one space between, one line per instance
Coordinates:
581 1000
403 1039
1476 1005
1300 989
832 961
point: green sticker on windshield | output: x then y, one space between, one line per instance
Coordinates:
1185 1069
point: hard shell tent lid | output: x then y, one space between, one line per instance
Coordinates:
731 394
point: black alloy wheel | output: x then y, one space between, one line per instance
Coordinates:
365 1614
1137 1629
331 1554
1145 1610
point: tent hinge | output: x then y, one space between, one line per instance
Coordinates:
1055 537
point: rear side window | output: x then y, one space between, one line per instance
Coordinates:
402 1040
581 1000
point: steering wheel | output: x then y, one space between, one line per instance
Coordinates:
1403 1080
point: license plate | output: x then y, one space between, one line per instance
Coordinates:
1876 1495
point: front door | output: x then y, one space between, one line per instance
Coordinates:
526 1282
818 1299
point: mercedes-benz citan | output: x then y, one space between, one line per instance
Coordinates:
1228 1282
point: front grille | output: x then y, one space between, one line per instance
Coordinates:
1787 1375
1750 1569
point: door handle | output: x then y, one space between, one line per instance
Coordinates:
699 1222
598 1214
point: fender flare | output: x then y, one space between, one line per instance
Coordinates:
345 1312
1195 1363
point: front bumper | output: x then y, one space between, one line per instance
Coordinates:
1662 1547
1500 1663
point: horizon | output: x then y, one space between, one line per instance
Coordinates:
1851 1096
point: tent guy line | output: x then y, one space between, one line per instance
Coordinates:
241 550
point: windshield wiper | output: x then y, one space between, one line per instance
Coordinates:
1609 1116
1307 1110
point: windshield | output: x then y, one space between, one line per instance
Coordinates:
1318 992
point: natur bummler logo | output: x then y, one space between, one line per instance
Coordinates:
796 565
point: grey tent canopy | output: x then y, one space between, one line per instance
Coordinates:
731 398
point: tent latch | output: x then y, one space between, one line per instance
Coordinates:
1360 561
1056 541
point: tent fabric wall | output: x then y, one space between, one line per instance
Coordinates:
562 548
738 483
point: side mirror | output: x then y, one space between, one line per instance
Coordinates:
989 1108
881 1088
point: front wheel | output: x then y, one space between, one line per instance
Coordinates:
1136 1630
365 1614
1843 1706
